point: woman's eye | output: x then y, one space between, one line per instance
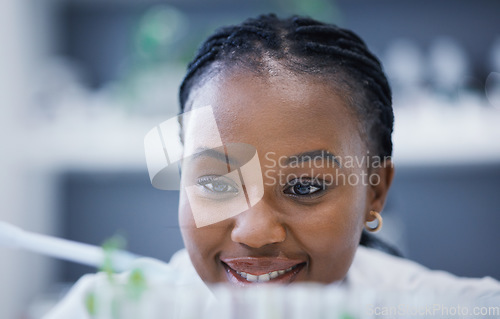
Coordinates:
301 187
217 185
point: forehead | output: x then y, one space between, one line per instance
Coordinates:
280 111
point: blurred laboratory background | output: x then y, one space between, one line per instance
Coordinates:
83 81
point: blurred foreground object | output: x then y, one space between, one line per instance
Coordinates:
153 289
165 294
15 237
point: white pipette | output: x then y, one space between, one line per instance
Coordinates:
86 254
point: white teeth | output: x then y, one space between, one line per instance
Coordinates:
264 277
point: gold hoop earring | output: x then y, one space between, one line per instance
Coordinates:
379 225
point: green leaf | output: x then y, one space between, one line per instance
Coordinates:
110 246
90 303
346 315
136 284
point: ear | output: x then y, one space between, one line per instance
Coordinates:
380 181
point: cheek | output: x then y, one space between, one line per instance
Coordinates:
336 230
202 243
330 233
186 223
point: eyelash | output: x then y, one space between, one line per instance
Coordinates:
319 188
207 182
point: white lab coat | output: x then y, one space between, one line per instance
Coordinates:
371 270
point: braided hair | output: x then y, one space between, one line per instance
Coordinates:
305 46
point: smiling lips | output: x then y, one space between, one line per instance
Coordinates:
247 270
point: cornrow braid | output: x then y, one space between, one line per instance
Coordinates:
306 46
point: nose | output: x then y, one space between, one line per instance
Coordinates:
258 226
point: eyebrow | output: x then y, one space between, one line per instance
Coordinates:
211 152
312 156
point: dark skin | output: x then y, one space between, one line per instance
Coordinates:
283 114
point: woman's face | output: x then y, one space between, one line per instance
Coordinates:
308 223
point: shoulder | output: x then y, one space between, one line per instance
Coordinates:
383 272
